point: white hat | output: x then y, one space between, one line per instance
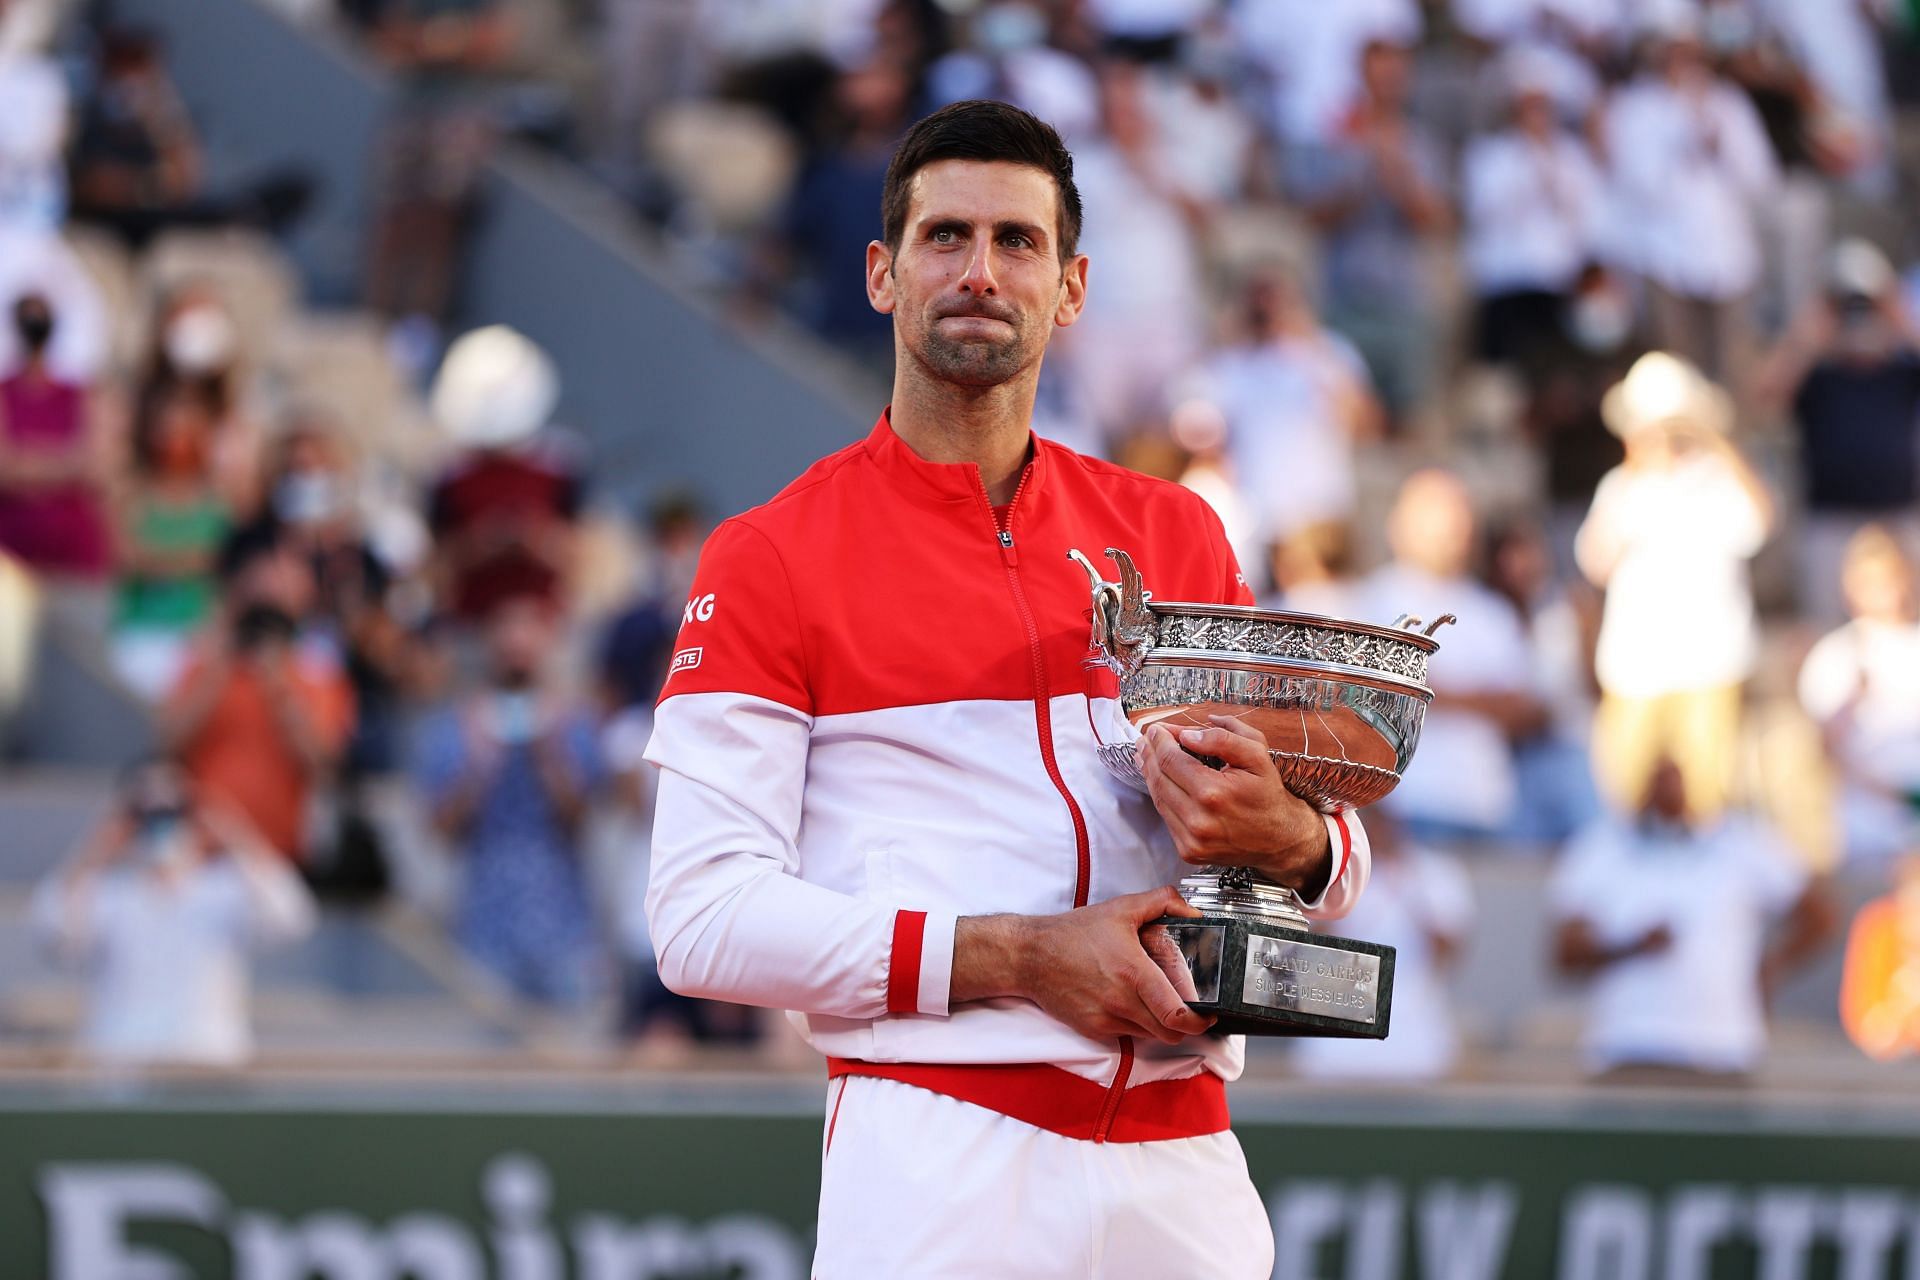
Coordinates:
495 388
1662 390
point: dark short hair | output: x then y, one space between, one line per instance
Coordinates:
982 130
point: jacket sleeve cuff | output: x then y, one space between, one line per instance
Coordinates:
920 969
1343 831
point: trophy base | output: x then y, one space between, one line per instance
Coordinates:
1261 978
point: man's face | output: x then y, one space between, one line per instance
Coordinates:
520 634
977 284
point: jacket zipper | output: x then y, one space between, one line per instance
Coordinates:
1042 702
1111 1107
1043 722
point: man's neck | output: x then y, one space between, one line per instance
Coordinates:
985 426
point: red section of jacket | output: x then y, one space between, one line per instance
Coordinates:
877 579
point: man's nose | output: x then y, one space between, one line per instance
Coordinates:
978 277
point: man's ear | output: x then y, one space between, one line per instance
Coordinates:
1073 292
880 278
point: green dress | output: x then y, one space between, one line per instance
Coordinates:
172 525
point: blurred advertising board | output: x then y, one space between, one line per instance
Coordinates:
677 1190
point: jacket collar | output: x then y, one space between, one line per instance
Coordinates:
943 481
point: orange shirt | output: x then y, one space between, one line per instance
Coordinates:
241 755
1877 1005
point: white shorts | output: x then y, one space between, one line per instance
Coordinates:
915 1185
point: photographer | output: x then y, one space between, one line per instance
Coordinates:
162 904
260 718
1669 538
509 773
1849 369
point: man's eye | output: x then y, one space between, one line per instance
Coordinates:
1016 242
943 236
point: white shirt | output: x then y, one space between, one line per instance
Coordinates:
1282 401
1836 44
33 135
1679 609
1310 50
168 959
1462 770
1412 897
1696 1004
1688 173
1532 210
1872 671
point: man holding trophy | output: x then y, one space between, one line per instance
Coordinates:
903 796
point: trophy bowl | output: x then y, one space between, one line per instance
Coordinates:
1340 704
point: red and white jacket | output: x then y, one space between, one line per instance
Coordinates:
879 720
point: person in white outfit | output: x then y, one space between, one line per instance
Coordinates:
163 905
1672 919
1669 538
1690 163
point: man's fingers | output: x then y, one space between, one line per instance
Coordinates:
1174 1020
1167 956
1154 903
1240 745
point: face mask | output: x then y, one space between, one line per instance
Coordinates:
199 341
1600 321
35 329
1009 28
308 497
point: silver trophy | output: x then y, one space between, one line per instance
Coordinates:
1340 704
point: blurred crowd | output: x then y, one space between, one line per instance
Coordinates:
1592 324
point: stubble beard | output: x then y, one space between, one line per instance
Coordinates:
972 364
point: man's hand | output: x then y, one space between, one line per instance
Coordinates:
1238 816
1088 967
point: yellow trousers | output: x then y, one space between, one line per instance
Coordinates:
1698 728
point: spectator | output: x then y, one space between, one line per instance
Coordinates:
197 347
830 215
1120 357
1880 989
137 163
1008 58
634 650
1463 785
509 773
503 516
1555 776
1534 204
1668 915
1850 369
173 522
1668 538
1861 684
53 464
436 148
1419 902
1375 191
1312 570
263 713
311 494
161 905
33 130
1309 54
1690 160
1297 402
39 263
